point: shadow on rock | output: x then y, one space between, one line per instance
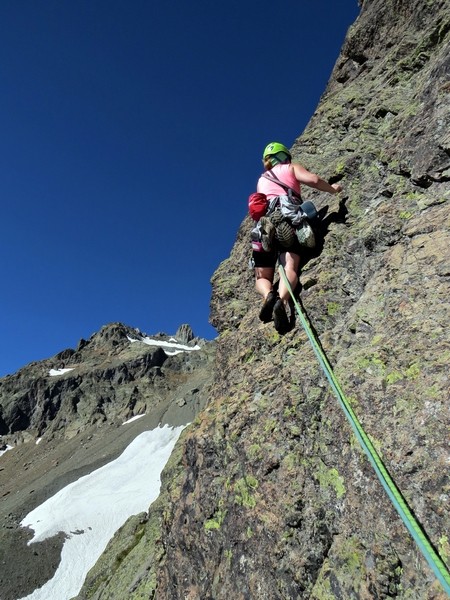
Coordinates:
321 227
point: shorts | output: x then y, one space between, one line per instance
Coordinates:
265 259
269 259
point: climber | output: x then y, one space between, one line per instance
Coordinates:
277 162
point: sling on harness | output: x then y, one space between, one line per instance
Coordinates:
294 209
286 219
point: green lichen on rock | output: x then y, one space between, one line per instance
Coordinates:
216 521
346 573
244 490
330 478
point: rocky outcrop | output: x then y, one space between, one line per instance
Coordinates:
112 376
270 496
64 416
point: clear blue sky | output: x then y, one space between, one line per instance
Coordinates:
131 134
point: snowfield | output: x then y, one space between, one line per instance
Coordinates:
92 509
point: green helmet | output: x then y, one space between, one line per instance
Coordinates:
274 148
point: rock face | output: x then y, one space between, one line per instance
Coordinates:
269 495
74 404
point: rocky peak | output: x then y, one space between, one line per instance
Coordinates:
110 336
184 334
99 380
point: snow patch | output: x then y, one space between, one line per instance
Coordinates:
56 372
170 348
8 447
135 418
92 509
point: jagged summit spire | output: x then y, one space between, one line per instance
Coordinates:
184 333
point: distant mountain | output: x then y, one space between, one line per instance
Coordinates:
62 418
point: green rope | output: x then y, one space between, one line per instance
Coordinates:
419 536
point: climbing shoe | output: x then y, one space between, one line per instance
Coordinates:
285 234
280 318
267 233
265 314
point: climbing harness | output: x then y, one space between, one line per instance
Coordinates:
434 560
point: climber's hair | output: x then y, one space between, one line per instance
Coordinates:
271 160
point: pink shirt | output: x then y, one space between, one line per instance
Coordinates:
285 173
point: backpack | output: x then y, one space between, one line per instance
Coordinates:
257 205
